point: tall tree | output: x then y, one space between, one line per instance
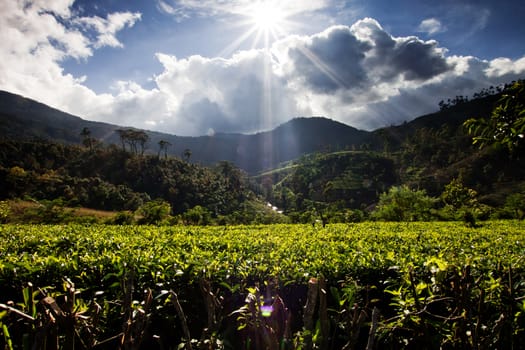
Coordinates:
123 135
133 138
142 139
163 146
87 140
401 203
506 125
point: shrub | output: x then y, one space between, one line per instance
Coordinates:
154 212
197 216
403 204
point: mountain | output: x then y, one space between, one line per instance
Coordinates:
313 163
22 118
450 118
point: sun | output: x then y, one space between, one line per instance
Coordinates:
263 22
267 17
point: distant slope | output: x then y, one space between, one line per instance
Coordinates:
353 179
22 118
451 118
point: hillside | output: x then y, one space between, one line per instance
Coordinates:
304 166
448 119
22 118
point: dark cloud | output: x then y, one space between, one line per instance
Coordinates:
418 60
331 60
409 57
344 58
204 115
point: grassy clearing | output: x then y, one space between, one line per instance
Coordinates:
27 211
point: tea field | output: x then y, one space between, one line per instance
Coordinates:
372 285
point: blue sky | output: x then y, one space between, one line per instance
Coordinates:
194 67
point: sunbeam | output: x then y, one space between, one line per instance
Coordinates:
322 67
265 22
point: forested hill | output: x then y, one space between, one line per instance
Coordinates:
325 167
22 118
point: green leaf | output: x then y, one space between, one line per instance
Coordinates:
7 337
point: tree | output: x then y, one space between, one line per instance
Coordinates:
87 140
163 146
403 204
142 138
506 125
123 135
187 154
457 195
197 216
133 138
461 203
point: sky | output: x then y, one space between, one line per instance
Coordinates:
199 67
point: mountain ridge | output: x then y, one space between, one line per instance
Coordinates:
24 118
21 117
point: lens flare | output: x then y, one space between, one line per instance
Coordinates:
266 310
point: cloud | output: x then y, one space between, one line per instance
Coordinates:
106 28
166 8
329 61
431 26
360 74
37 36
357 63
240 94
184 9
505 67
466 20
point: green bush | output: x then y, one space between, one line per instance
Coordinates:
403 204
197 216
154 212
515 205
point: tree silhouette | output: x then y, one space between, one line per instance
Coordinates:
187 154
163 146
87 140
134 139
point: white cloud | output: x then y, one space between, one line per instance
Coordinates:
106 28
431 26
58 7
361 75
37 36
242 93
505 66
188 8
164 7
